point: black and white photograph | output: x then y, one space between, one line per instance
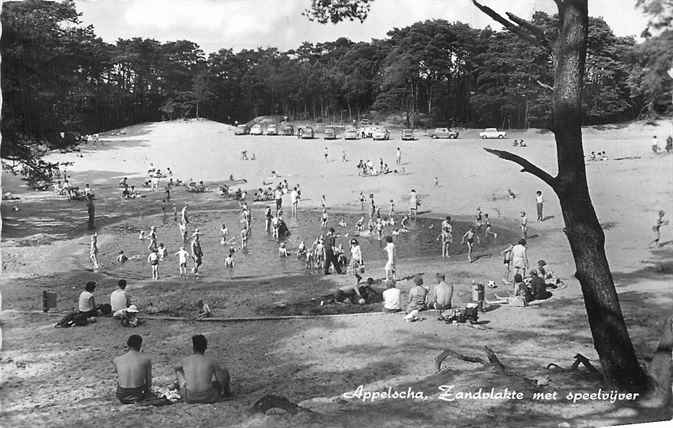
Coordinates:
336 213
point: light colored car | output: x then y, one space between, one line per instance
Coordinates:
380 133
330 133
256 130
443 133
407 135
272 129
307 133
492 133
351 134
368 131
242 130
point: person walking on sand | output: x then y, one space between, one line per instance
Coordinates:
200 378
183 215
182 261
153 260
520 258
93 251
326 154
134 373
398 157
539 201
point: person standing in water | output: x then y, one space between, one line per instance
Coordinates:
93 251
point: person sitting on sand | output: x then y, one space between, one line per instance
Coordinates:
87 302
119 299
417 296
128 316
441 295
204 310
134 373
200 378
545 272
391 298
538 287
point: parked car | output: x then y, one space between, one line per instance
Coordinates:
351 134
330 133
492 133
287 130
407 135
380 133
272 129
242 130
307 133
444 133
256 130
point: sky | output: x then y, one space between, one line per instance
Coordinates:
248 24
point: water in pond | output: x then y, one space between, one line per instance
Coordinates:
261 258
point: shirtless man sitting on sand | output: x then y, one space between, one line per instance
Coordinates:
134 371
195 376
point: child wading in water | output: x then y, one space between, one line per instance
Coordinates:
323 218
468 239
524 225
488 230
391 252
446 236
182 262
153 260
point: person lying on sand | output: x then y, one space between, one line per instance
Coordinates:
134 373
200 378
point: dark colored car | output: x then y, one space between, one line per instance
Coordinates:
444 133
242 130
287 130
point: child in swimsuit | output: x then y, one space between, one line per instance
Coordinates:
323 218
468 239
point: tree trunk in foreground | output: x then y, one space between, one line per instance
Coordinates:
585 234
611 339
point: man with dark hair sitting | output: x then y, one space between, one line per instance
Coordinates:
87 303
200 378
134 372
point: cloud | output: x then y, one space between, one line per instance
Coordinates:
237 24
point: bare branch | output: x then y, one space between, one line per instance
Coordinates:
442 356
519 31
533 29
544 85
527 166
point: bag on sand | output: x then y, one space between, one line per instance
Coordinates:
72 319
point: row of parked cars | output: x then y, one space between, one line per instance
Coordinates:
373 132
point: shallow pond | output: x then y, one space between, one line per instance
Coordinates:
261 257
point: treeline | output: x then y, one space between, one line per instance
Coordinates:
58 76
